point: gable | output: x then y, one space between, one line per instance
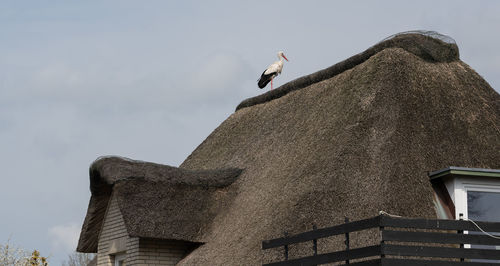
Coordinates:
113 234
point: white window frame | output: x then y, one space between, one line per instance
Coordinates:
463 185
119 258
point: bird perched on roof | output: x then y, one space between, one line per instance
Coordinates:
272 71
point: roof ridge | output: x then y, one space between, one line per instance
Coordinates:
424 46
107 170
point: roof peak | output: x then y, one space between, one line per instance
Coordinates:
428 45
429 33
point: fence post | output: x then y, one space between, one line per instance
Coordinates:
315 242
347 240
381 231
286 246
461 218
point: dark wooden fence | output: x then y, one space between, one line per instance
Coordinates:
393 248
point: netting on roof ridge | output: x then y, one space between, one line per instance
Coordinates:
433 34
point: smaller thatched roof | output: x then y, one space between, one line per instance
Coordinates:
156 201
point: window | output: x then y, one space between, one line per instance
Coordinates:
478 200
120 259
483 205
475 194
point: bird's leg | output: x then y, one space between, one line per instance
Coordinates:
271 84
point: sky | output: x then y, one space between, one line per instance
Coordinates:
150 80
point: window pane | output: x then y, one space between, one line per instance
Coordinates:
483 206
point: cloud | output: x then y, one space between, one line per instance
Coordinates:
64 237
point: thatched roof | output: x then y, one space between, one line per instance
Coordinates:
350 142
156 201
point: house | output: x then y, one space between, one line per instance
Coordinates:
350 140
144 213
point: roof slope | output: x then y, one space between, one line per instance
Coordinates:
350 145
156 201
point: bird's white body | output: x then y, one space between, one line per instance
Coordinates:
275 67
272 71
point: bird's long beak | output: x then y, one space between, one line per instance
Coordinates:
284 57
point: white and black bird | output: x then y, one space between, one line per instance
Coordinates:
272 71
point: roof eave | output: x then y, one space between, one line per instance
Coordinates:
464 171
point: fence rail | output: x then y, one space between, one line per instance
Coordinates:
393 249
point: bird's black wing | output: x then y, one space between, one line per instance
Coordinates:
265 78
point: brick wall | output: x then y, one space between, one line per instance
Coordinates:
114 239
112 235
